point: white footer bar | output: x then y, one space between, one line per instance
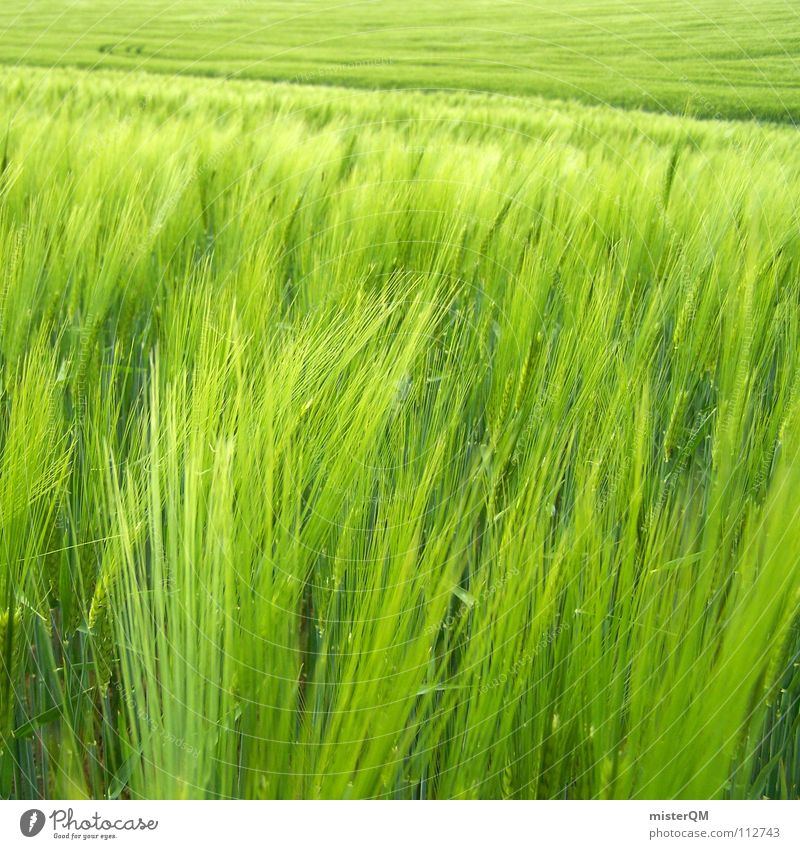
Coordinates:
404 825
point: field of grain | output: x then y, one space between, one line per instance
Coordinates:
712 58
396 443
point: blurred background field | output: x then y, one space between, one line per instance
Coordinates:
710 58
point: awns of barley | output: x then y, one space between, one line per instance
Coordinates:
441 457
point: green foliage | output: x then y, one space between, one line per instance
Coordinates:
708 58
363 444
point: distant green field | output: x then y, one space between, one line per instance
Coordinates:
703 57
364 444
410 444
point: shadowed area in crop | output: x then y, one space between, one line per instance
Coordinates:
710 58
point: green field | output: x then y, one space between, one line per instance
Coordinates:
368 443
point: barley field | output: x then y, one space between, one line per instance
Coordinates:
392 424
